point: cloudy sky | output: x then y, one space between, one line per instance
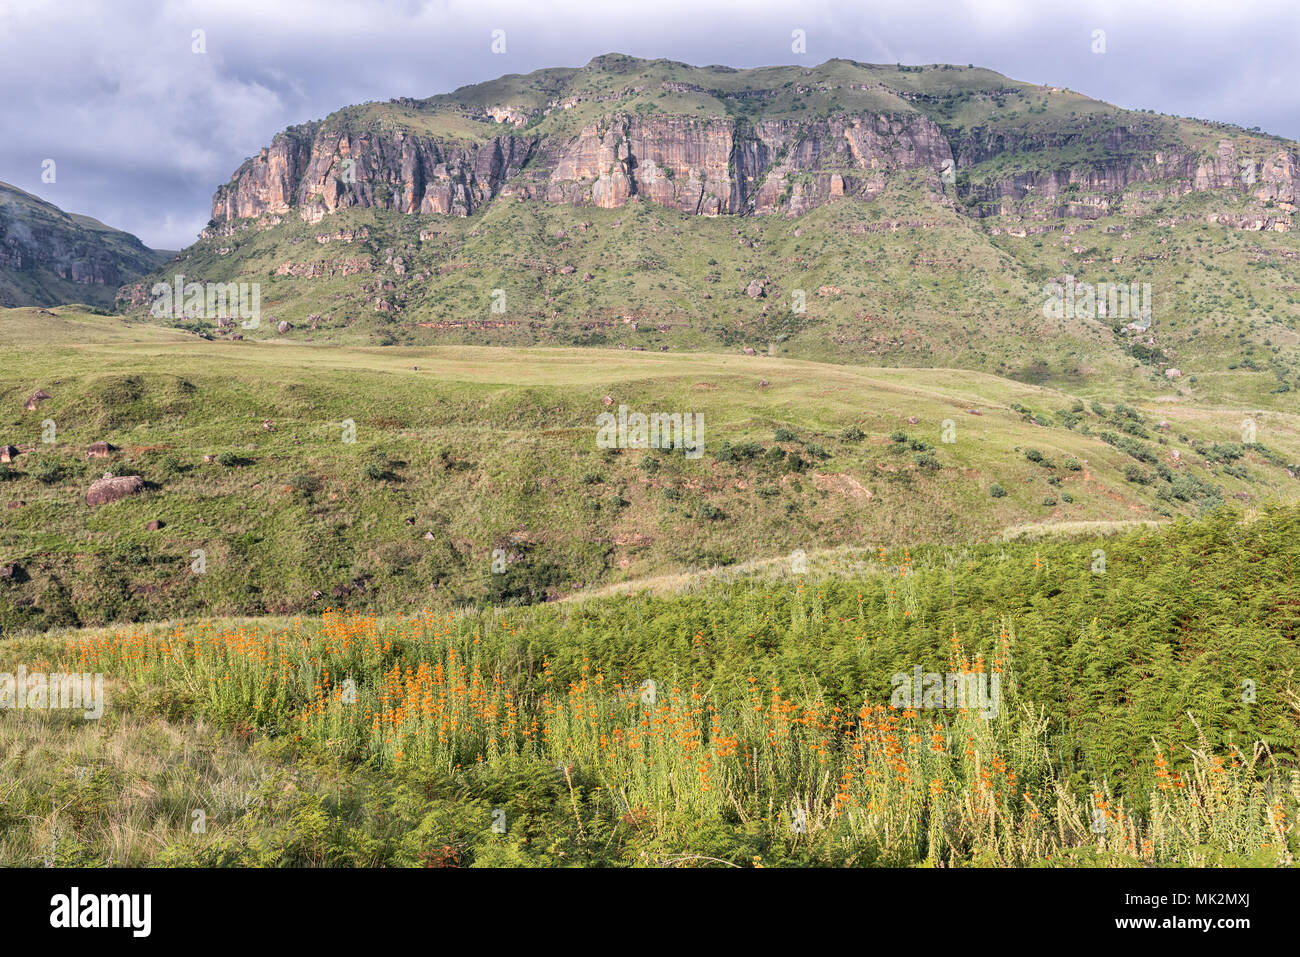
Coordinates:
142 129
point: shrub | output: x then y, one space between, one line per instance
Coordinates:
997 491
49 473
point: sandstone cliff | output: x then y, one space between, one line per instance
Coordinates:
738 144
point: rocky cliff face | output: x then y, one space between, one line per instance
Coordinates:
318 169
1102 187
739 161
707 166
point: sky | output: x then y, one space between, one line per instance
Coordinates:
142 127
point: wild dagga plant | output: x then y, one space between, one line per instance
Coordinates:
821 780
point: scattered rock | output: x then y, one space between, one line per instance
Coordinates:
762 383
974 411
98 450
1175 456
8 453
912 420
153 525
749 351
607 400
283 326
1173 374
209 458
428 536
113 487
566 270
18 504
755 290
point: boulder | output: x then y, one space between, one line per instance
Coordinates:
113 487
566 270
8 453
755 290
282 327
153 526
37 397
98 450
1173 373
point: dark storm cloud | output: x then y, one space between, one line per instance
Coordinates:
143 130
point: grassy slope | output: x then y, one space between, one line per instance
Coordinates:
935 290
495 448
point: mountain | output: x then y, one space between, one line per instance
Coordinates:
847 212
49 257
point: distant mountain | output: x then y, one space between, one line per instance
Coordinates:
850 212
49 257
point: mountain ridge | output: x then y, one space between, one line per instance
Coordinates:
51 257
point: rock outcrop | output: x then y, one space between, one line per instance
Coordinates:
110 488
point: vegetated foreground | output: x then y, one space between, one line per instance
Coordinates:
1147 716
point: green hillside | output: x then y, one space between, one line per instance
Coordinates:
463 451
